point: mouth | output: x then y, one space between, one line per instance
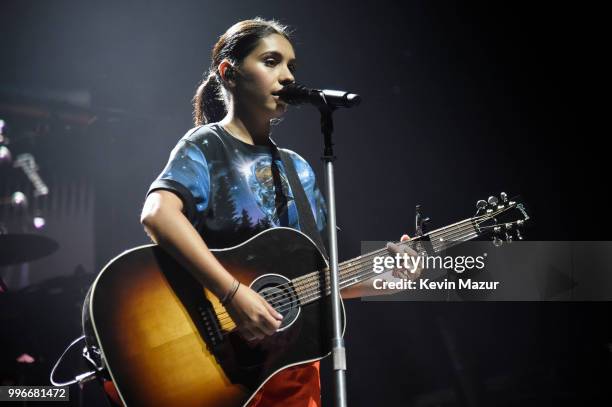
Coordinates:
278 99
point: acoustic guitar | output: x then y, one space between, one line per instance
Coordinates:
167 341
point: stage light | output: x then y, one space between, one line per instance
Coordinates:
19 200
5 155
39 222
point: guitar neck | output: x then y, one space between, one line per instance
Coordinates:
359 269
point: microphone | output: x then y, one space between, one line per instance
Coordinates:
295 94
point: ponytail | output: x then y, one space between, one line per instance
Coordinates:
208 104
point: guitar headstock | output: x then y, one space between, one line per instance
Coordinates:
503 217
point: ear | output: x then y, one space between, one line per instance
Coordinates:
223 70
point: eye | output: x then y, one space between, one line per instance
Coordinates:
270 61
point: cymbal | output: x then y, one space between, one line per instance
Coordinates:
18 248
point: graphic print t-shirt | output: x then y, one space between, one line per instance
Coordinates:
232 190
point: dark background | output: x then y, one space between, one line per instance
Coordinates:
460 101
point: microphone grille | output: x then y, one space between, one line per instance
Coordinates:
294 94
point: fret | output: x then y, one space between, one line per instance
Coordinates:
359 269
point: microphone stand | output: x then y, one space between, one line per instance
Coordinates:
328 157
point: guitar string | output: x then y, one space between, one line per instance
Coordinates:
362 272
357 276
313 279
436 234
367 257
449 233
304 290
314 283
312 290
349 278
349 274
350 269
306 280
306 297
347 283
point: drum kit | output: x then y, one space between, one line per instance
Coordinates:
36 117
35 319
21 188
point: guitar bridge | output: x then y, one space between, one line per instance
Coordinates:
212 328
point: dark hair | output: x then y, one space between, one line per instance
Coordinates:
235 45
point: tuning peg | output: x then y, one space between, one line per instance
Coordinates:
497 241
504 197
518 235
508 237
420 222
481 204
492 200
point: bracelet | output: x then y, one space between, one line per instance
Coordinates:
226 296
230 294
233 293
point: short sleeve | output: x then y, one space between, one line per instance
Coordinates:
186 174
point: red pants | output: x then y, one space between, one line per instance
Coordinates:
297 386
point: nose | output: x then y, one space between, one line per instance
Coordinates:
286 77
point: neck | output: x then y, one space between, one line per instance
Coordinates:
247 127
313 286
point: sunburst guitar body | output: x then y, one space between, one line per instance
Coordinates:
166 341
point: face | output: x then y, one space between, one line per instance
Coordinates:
269 67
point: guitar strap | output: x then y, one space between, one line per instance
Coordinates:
305 216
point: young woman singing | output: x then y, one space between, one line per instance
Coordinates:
224 183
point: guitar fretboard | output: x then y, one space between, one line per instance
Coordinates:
309 287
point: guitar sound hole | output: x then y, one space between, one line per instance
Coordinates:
279 292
